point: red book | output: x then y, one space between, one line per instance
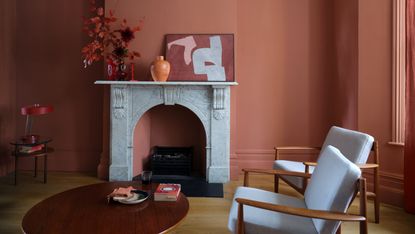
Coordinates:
167 192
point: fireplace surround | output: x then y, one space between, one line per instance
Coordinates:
209 101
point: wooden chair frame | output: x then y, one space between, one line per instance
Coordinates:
368 166
319 214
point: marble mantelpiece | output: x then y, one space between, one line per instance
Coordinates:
209 101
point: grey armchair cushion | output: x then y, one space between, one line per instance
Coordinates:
354 145
332 186
287 165
267 222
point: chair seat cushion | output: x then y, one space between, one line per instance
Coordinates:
286 165
265 221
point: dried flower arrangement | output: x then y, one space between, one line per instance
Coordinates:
106 42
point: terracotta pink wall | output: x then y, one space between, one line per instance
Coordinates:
346 57
49 71
375 92
284 60
7 82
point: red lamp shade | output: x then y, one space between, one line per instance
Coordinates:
36 109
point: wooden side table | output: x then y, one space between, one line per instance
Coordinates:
19 143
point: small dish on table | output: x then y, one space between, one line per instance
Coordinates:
137 197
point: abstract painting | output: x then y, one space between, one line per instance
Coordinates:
200 57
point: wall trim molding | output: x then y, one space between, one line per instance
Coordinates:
389 175
268 155
254 151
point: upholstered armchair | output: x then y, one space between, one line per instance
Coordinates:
333 186
355 146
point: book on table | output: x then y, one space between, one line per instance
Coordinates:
167 192
31 149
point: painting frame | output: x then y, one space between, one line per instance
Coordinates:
198 57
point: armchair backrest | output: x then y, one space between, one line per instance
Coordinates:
354 145
332 186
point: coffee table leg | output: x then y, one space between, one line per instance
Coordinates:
45 167
35 166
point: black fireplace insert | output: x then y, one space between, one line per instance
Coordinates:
171 160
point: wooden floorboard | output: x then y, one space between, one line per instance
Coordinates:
206 215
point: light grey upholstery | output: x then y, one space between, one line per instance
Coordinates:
354 145
331 188
265 221
287 165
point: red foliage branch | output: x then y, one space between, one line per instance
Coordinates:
104 39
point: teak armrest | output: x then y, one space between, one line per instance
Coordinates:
282 149
361 166
276 172
318 214
272 172
368 165
307 168
313 164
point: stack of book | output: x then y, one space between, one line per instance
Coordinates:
167 192
31 149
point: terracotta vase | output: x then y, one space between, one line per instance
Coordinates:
160 69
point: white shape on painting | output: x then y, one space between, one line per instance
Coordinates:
188 43
215 72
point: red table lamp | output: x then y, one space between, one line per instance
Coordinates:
35 109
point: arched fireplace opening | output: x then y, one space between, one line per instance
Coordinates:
169 126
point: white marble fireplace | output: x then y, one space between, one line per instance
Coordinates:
209 101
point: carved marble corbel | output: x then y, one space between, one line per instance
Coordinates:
171 95
219 102
119 102
218 97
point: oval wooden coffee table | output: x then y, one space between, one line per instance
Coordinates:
85 210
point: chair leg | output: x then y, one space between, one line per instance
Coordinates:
45 168
377 198
363 204
15 168
276 183
339 230
377 209
35 175
240 229
246 179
